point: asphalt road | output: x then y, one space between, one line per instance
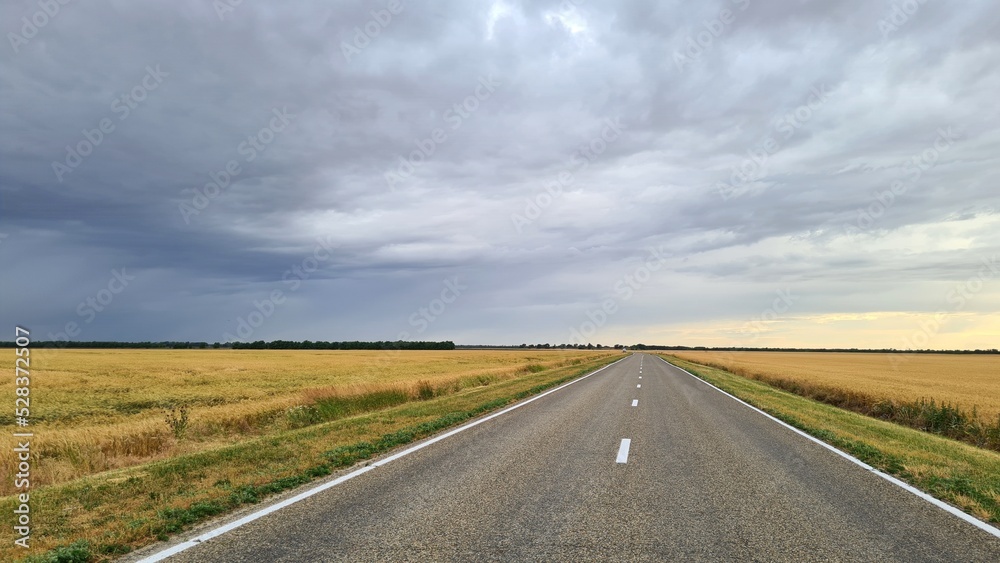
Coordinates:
705 478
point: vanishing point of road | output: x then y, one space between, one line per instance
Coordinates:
636 462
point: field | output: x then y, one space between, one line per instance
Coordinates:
964 380
95 410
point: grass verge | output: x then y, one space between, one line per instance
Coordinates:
928 415
960 474
101 517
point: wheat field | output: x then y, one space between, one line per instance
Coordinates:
95 410
965 380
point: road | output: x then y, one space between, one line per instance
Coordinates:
703 478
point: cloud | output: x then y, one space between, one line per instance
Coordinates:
807 169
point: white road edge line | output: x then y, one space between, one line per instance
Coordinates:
216 532
989 529
623 451
635 402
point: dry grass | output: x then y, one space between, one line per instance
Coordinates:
96 410
964 380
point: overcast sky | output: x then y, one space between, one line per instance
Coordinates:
796 173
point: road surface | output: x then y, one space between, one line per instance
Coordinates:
632 463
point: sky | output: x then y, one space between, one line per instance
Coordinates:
732 172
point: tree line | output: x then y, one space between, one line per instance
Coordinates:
258 345
343 345
444 345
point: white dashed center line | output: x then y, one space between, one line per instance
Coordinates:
639 386
635 402
623 451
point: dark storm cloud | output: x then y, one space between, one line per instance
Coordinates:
472 139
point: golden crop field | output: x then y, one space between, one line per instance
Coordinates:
94 410
964 380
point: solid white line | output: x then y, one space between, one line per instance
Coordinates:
989 529
623 451
635 402
216 532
